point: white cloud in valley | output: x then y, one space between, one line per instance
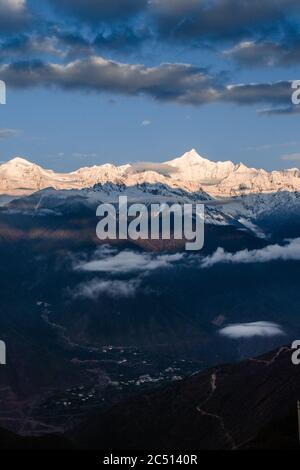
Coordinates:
110 288
250 330
129 261
289 251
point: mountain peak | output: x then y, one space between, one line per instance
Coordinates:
19 161
187 159
192 156
192 153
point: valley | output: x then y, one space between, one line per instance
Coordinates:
90 325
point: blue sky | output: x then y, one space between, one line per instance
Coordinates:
87 81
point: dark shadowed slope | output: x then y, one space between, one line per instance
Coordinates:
10 441
250 405
247 405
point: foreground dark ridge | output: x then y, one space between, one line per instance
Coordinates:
228 407
241 406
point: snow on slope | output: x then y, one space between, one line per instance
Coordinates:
191 172
192 167
226 179
59 202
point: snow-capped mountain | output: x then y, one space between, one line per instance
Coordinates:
192 167
190 172
64 202
227 179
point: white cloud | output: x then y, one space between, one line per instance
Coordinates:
84 155
250 330
271 146
7 133
291 157
129 261
146 122
161 168
111 288
290 251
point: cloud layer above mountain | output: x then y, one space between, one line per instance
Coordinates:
257 33
180 83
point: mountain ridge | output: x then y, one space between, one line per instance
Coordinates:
190 172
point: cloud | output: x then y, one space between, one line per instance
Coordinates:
129 262
266 53
259 148
275 93
94 11
250 330
53 42
122 37
8 133
146 122
162 168
84 155
291 110
194 20
110 288
257 26
168 82
290 251
14 15
180 83
68 44
291 157
32 46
